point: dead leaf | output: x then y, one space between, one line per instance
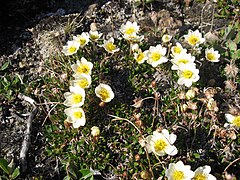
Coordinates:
138 102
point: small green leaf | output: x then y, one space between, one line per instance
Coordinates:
4 165
236 54
237 38
15 173
232 45
5 66
86 174
67 178
196 155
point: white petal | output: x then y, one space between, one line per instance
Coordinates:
172 138
147 145
211 177
165 133
229 117
171 150
80 122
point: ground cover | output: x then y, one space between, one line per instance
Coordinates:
125 135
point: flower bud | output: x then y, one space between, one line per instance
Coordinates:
95 131
190 94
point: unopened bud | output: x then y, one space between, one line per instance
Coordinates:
95 131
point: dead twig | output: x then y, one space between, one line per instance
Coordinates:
231 164
27 135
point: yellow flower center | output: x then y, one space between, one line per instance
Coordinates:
94 36
211 56
166 38
77 114
83 83
83 68
193 40
200 177
104 94
178 175
160 145
177 49
129 30
156 56
236 121
110 46
187 74
72 49
76 98
184 61
82 41
140 57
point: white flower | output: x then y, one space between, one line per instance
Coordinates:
81 80
75 97
140 56
166 38
234 120
104 92
82 67
156 55
211 55
76 116
82 39
194 38
109 45
187 74
94 35
182 58
129 30
179 171
95 131
161 143
203 173
177 49
71 48
134 47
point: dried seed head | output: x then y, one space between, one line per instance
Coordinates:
102 104
139 123
231 70
137 157
67 124
181 95
235 111
153 84
145 175
209 92
230 85
212 105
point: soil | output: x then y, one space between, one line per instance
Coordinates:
32 30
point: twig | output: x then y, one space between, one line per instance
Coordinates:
231 164
49 112
27 136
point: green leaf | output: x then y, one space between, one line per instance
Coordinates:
232 45
86 174
15 173
5 66
67 178
236 54
237 39
196 155
4 165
